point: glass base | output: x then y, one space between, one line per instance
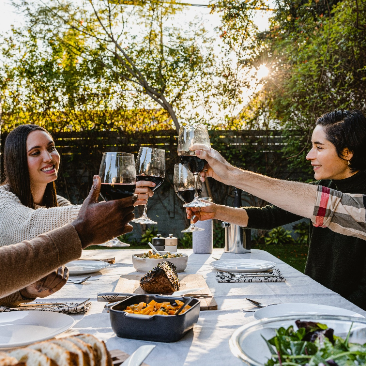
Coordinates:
197 202
144 221
192 229
115 243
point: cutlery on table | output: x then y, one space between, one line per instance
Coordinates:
78 281
154 249
119 296
258 304
138 356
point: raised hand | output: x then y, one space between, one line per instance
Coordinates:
201 213
100 222
143 192
217 167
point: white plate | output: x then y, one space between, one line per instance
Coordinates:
243 265
85 267
20 328
303 309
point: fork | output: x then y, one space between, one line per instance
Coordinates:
79 282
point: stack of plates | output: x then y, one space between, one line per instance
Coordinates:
80 267
243 265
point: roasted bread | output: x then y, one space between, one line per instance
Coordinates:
85 347
79 350
59 355
31 357
101 354
163 279
82 358
6 360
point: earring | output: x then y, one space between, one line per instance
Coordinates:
349 162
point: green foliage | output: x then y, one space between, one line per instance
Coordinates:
185 241
302 229
149 234
127 238
277 236
218 235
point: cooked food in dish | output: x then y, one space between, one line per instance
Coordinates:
78 350
157 308
163 279
313 344
152 255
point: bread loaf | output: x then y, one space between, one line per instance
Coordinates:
163 279
79 350
31 357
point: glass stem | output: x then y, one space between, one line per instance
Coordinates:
144 214
195 185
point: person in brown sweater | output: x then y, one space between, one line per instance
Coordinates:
27 269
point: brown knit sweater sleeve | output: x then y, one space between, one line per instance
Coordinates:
27 262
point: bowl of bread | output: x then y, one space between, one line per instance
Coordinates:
144 262
77 350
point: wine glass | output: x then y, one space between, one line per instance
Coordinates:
150 166
189 136
118 177
185 186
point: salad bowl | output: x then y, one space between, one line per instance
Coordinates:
248 342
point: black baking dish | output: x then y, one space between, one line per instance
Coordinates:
158 328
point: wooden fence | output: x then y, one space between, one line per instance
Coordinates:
81 153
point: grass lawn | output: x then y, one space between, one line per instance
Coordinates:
294 255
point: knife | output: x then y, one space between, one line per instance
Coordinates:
138 356
119 296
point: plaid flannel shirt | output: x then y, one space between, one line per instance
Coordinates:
343 213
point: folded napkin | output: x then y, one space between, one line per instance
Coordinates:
66 308
274 276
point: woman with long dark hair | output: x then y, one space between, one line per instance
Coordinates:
338 157
29 205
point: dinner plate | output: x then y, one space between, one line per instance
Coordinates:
85 267
20 328
243 265
303 309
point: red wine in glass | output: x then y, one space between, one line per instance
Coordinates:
187 195
115 191
151 178
194 163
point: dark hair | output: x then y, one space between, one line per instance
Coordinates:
347 129
16 167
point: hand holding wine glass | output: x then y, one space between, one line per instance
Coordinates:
150 167
118 177
188 137
186 186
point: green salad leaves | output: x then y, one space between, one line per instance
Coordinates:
313 344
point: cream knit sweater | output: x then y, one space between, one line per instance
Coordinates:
18 222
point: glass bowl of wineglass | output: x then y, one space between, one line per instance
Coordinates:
186 187
150 166
189 136
118 177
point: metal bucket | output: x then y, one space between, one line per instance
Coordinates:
237 239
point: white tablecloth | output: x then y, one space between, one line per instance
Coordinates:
208 343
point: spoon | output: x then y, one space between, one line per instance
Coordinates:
183 306
153 249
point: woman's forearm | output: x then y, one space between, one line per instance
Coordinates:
233 215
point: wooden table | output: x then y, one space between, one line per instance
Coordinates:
208 344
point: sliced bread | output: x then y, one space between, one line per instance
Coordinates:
60 355
31 357
82 358
87 348
100 350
